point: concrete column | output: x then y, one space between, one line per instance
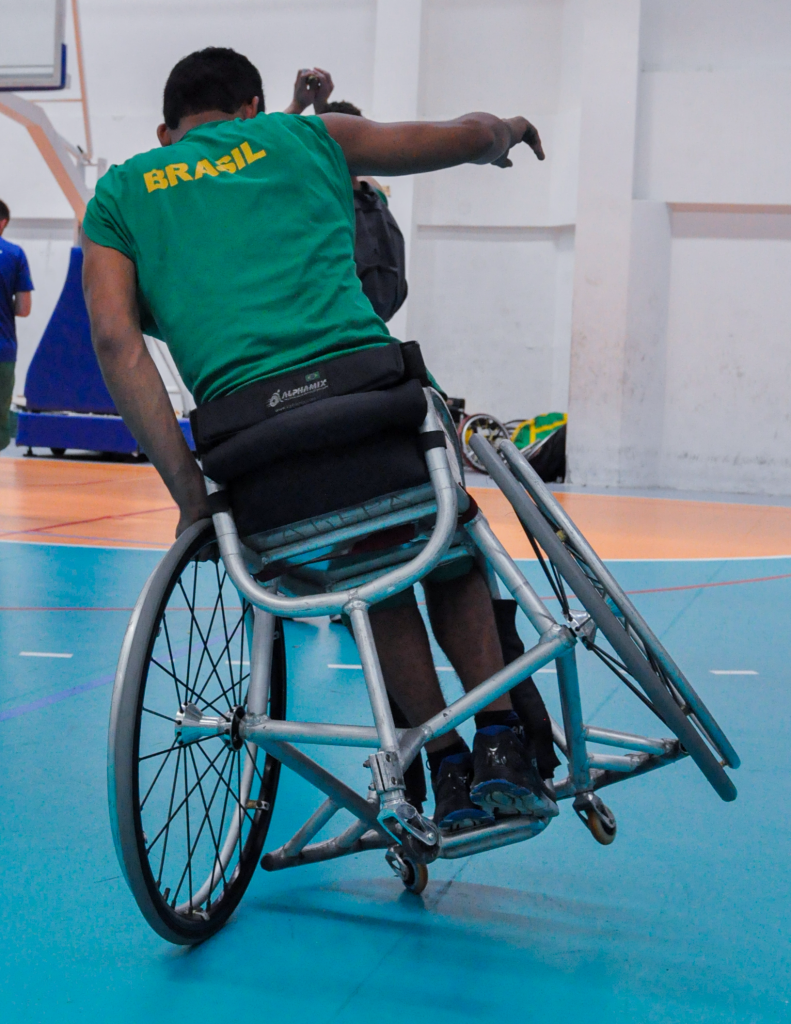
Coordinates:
643 382
395 98
603 239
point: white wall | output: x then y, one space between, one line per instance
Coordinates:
493 249
686 359
638 277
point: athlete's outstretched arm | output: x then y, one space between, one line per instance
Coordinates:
411 147
131 376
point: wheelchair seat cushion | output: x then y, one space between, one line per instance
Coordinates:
364 369
332 448
316 482
338 422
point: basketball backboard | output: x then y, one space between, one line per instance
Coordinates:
32 47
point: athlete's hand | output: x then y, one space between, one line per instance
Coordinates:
322 89
313 86
191 514
521 131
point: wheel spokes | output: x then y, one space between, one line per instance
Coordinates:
195 818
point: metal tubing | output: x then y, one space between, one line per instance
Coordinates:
573 726
325 540
599 778
386 585
328 850
636 664
254 728
411 743
463 844
488 573
319 777
312 827
546 650
546 501
86 118
374 680
516 584
350 835
612 738
559 737
454 554
261 661
617 763
331 525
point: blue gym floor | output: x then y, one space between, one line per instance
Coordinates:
684 918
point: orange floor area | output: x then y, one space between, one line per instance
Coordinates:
69 502
626 527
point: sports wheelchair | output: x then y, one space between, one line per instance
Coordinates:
199 730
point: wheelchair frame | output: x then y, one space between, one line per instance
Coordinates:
383 819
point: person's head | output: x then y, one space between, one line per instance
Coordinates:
342 107
214 84
5 216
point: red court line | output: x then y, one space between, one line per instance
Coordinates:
692 586
127 542
703 586
102 608
548 597
96 519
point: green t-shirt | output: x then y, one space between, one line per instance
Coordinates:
242 234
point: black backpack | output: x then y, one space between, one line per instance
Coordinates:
379 253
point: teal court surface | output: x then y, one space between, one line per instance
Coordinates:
685 918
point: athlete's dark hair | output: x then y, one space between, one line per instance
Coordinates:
5 213
216 78
342 107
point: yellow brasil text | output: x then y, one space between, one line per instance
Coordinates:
237 160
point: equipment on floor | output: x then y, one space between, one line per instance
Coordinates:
67 405
201 685
542 439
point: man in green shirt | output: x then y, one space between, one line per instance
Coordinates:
234 243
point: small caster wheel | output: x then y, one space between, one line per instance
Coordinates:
602 831
414 876
597 817
417 879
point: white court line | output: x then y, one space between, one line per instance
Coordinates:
43 654
549 670
733 672
237 662
439 668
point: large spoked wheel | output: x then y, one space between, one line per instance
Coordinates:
189 820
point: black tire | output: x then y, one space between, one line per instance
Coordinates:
168 658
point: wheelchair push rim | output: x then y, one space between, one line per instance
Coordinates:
189 819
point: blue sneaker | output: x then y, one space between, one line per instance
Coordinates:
453 808
505 779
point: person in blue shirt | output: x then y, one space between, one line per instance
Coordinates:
15 289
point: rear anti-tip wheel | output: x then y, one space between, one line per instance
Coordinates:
597 818
414 876
600 831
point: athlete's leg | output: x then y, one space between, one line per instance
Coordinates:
462 619
408 667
